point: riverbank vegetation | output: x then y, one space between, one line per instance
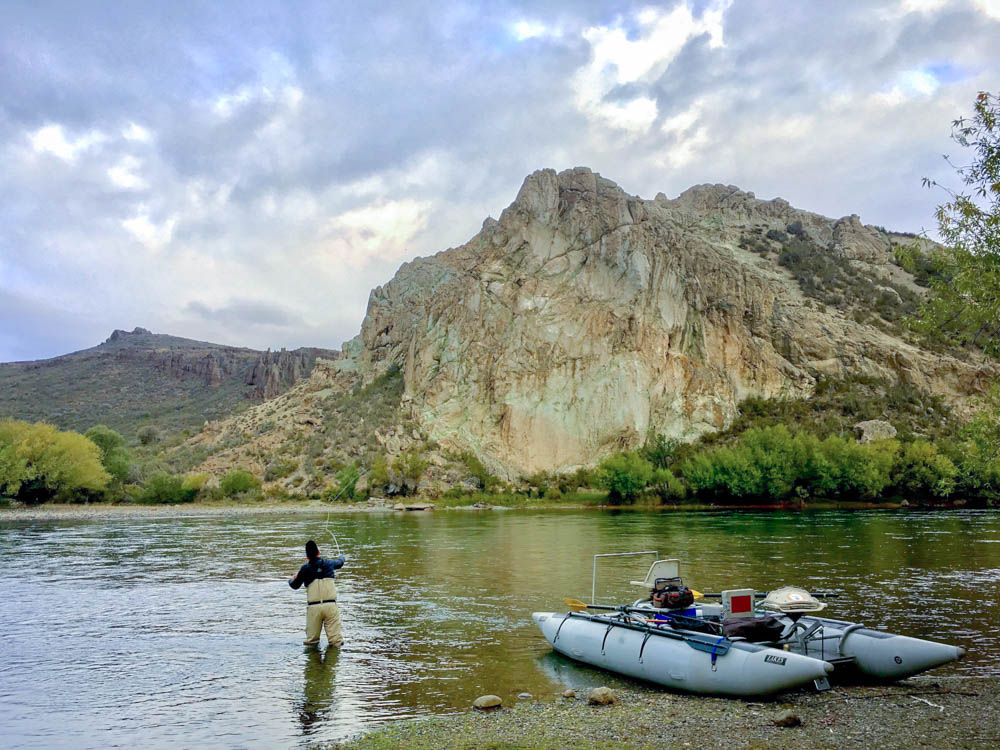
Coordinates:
777 451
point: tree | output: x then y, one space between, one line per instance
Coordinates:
964 304
114 454
39 462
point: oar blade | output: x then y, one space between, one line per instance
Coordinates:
575 605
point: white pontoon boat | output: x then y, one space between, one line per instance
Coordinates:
735 646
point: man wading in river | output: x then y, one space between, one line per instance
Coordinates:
321 596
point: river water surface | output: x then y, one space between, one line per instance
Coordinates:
182 632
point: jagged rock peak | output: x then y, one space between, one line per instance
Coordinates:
585 319
118 334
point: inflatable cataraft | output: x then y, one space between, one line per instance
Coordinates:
745 644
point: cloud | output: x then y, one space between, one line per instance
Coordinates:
51 139
619 58
244 312
227 172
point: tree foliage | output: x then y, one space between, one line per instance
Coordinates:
964 304
114 455
624 476
39 462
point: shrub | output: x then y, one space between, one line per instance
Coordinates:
148 435
659 451
166 488
114 455
280 468
773 464
346 479
625 476
483 479
667 486
195 482
921 470
238 481
408 469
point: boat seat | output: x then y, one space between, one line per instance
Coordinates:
660 569
737 603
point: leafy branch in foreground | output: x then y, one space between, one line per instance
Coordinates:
964 304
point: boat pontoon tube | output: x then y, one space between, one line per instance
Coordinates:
695 663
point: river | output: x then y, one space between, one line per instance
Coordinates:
180 632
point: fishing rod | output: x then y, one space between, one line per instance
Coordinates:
343 489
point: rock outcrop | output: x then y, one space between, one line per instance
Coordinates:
275 372
586 318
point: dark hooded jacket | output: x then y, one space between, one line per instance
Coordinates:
314 569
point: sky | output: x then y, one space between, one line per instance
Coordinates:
246 172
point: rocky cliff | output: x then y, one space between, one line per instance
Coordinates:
586 318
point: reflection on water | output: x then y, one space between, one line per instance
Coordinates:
183 631
317 690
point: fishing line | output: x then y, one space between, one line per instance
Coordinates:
329 527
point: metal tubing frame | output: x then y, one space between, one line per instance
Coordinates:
593 578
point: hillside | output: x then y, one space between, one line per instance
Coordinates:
140 378
586 319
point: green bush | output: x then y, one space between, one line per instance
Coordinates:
280 468
667 486
408 469
148 435
237 482
165 488
659 451
343 490
774 464
114 455
921 470
485 481
625 476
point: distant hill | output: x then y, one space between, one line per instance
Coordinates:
141 378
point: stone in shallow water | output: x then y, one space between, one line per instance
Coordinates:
487 702
524 696
570 693
602 696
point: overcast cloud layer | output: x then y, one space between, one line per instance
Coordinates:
246 172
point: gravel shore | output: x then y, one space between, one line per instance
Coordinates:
920 712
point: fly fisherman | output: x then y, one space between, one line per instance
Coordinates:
321 596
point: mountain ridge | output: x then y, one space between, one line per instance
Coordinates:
138 377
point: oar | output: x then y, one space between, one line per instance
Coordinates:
576 605
763 594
